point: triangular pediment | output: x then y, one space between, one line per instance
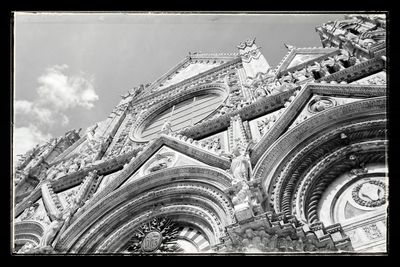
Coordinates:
298 56
164 158
319 103
190 152
192 65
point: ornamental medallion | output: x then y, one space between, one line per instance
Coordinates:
157 235
370 194
321 103
151 241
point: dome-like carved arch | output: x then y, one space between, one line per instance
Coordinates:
194 194
28 231
286 163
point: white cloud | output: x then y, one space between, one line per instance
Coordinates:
23 106
33 112
56 94
26 138
62 92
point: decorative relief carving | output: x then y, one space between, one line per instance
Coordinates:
158 235
372 231
370 193
160 161
321 103
376 80
29 212
264 125
213 143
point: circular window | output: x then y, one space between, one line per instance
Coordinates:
181 115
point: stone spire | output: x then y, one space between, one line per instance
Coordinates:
253 61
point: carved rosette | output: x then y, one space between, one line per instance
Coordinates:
158 235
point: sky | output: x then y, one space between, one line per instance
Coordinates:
70 69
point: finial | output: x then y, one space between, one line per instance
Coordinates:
289 47
249 42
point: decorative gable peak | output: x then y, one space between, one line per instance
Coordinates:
247 43
253 61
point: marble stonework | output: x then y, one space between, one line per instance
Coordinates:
291 160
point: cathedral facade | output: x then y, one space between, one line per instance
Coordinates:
225 154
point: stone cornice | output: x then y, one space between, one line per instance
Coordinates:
348 90
355 71
256 109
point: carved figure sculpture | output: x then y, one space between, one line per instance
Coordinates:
167 126
243 194
27 247
73 167
52 230
240 166
51 173
62 170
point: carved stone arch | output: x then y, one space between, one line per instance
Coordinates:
219 89
184 192
28 231
188 214
293 151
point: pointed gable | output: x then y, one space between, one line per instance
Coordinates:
298 56
192 65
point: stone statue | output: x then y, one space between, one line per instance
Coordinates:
51 173
240 169
259 93
27 247
243 194
61 171
166 126
225 108
163 161
73 167
240 166
52 230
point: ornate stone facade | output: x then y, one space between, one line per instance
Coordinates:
290 159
